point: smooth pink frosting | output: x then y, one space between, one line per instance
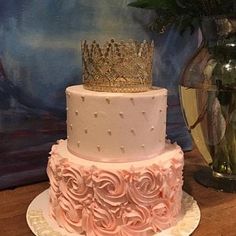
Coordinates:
116 127
126 200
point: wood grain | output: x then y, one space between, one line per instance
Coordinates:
218 210
13 206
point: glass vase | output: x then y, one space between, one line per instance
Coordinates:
208 98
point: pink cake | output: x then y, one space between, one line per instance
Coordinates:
115 174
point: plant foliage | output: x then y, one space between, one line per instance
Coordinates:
188 13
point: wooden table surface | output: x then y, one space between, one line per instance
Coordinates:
218 210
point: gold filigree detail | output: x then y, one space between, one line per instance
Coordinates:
117 66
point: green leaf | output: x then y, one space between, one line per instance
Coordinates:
187 13
162 23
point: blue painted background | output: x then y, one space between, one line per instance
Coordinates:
40 56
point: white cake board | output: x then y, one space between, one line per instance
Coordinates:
41 224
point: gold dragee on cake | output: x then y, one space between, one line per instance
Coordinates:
117 66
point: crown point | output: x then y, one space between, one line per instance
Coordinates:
152 128
82 98
160 110
68 137
78 143
153 97
67 109
71 126
143 146
95 114
109 132
99 148
76 112
86 131
143 112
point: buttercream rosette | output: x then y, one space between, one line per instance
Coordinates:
110 201
53 172
144 185
98 220
109 188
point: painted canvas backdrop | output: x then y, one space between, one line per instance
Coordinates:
40 56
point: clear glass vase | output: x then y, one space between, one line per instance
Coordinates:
208 98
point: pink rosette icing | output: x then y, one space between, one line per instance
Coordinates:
99 221
109 187
175 174
76 184
68 216
161 216
135 221
144 186
76 195
124 201
53 169
54 175
172 186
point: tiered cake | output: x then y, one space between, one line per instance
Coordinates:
116 174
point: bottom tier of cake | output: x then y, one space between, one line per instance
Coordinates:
115 199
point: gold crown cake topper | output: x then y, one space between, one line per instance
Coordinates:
117 66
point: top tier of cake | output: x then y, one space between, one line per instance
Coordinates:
116 127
